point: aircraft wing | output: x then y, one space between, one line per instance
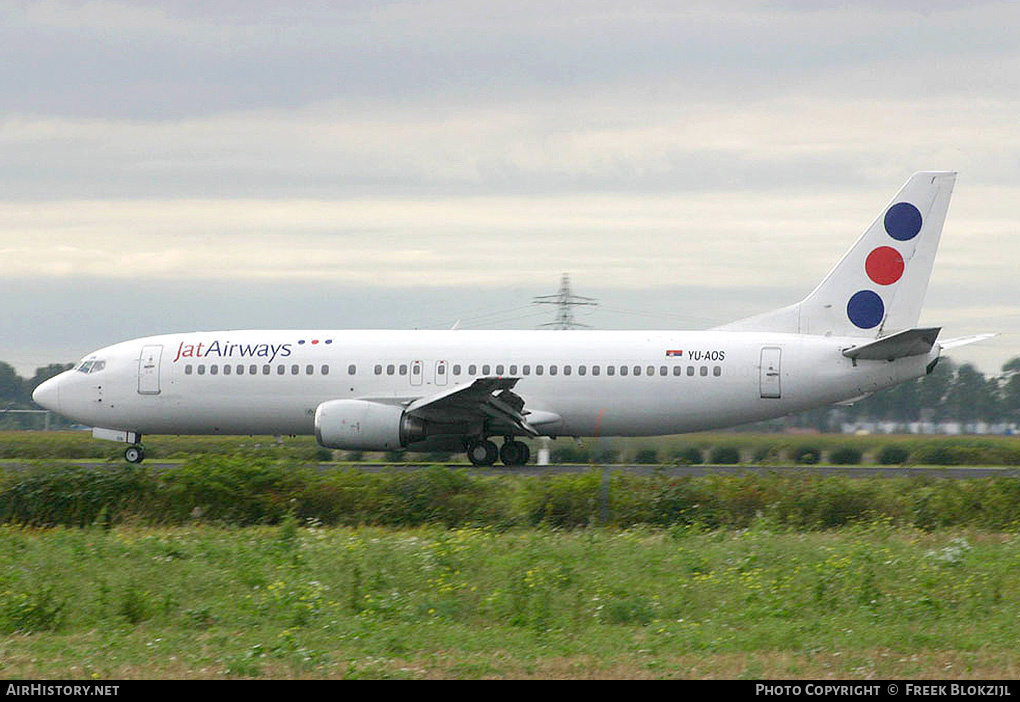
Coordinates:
489 398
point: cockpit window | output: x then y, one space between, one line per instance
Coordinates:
91 365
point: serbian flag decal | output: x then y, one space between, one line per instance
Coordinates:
674 353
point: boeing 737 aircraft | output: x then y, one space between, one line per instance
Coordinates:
453 390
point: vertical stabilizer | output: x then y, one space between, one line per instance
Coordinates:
878 287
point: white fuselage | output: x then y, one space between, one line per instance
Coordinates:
598 383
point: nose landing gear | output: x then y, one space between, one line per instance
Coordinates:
134 454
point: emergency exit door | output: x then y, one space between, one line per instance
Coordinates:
771 373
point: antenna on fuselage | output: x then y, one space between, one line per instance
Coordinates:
565 301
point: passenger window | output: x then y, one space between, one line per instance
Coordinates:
623 370
595 370
566 370
582 370
214 369
253 370
441 369
485 369
226 369
456 369
391 369
610 370
309 370
187 370
650 370
201 369
539 370
513 369
526 370
352 369
472 369
552 370
677 370
690 371
281 369
325 370
499 369
378 369
265 369
403 369
704 371
295 369
240 369
717 371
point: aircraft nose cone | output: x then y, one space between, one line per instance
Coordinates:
47 395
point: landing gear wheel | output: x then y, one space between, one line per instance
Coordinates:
482 453
514 453
134 454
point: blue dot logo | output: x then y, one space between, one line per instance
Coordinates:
903 221
865 309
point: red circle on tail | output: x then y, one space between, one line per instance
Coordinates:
884 265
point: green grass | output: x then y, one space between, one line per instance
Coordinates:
290 601
763 449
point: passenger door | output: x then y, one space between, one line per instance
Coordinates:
148 370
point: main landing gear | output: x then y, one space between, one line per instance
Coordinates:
512 453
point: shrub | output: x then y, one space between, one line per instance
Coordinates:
76 495
845 456
646 456
893 454
570 453
688 456
724 455
807 455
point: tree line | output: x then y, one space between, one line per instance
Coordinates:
16 394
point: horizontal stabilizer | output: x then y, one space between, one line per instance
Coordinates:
909 342
964 340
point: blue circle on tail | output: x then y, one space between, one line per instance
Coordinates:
865 309
903 221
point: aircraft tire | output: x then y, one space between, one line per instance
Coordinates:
514 453
134 454
482 453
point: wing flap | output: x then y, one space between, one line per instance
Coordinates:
489 397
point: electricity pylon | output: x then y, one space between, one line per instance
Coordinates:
565 302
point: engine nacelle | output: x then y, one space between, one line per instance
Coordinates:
366 426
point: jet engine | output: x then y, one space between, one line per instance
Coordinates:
364 425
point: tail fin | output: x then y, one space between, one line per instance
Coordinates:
879 285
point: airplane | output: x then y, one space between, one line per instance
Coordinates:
374 390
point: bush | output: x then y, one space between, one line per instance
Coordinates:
845 456
646 456
807 455
688 456
893 454
76 496
570 453
724 455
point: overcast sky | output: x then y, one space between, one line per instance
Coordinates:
225 164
